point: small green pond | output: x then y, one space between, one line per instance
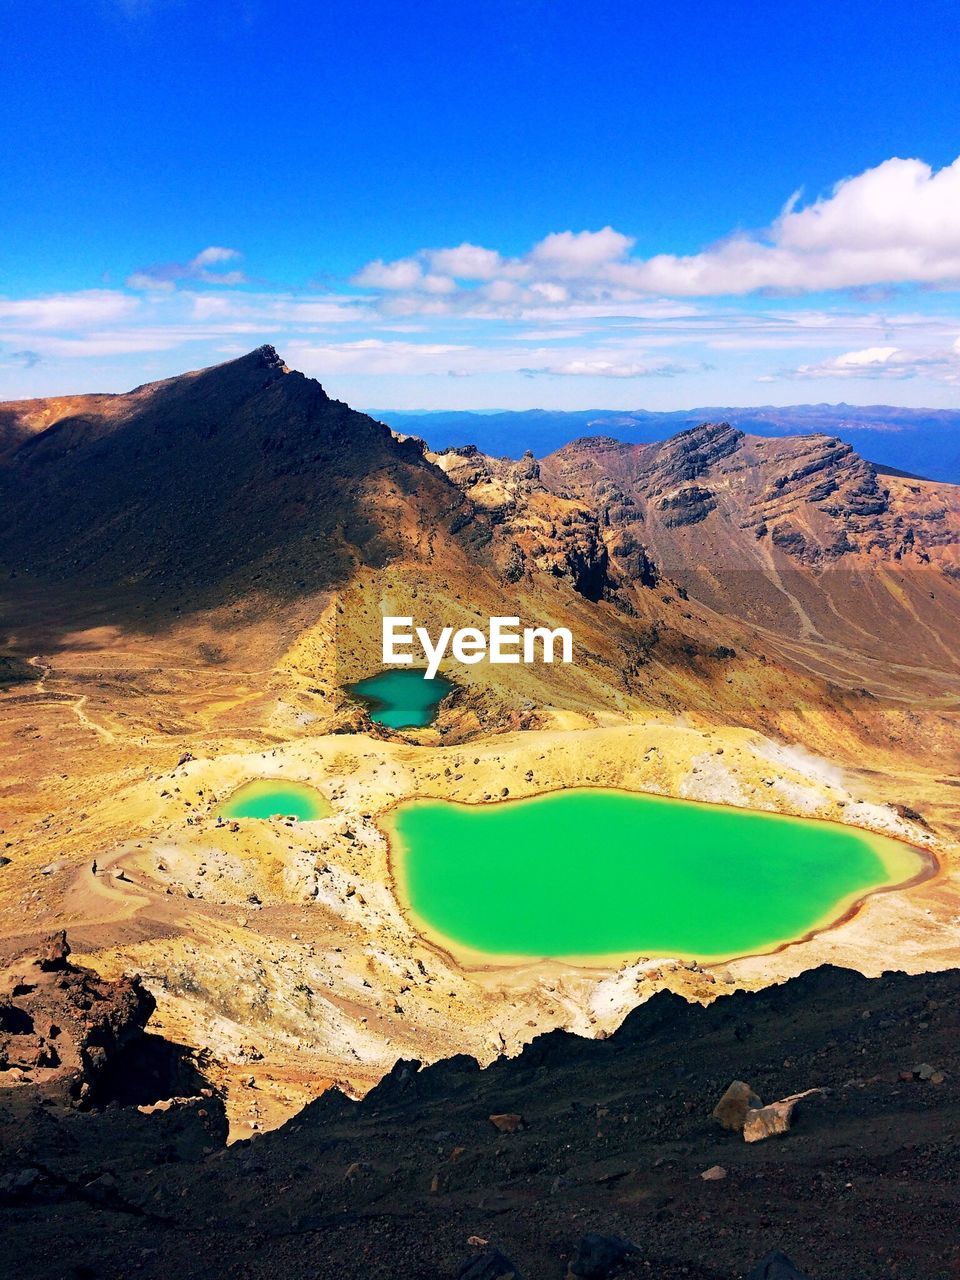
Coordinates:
402 697
268 797
609 873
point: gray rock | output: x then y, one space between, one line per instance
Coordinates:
774 1119
104 1188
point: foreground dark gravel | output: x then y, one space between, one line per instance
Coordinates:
615 1135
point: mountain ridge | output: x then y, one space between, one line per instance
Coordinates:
247 479
925 442
138 486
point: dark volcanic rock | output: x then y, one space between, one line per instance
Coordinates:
775 1266
619 1132
64 1026
789 538
600 1257
489 1265
693 453
687 506
587 566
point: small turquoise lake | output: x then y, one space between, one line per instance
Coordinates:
402 698
591 872
268 797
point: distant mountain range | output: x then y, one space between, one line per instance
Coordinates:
924 442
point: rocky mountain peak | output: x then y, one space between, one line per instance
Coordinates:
268 357
694 452
209 475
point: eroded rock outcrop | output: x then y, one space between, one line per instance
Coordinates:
534 529
63 1027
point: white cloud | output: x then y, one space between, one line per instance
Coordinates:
581 253
560 314
67 310
868 356
434 283
900 205
108 343
895 224
898 223
405 273
593 368
894 363
143 282
272 309
213 255
466 262
376 356
205 267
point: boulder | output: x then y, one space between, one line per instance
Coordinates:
67 1023
508 1122
774 1119
731 1110
925 1071
54 953
715 1173
399 1081
20 1185
103 1189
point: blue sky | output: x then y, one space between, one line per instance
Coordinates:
506 204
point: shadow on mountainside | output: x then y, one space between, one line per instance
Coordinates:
192 493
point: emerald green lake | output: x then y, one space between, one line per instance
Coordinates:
402 698
611 873
269 796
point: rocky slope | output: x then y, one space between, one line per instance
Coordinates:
21 419
578 1158
799 535
812 496
242 478
77 1038
536 530
794 548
